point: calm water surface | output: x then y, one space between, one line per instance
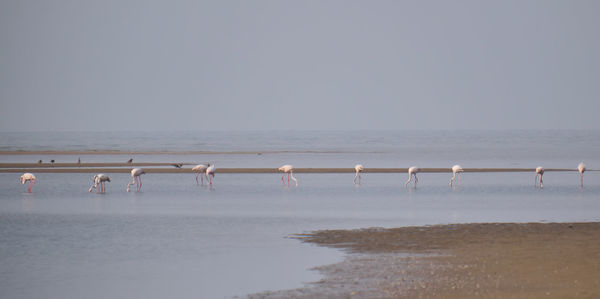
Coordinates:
175 239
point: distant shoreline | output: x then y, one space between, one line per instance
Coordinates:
127 152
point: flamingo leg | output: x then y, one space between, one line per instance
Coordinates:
409 179
197 174
140 180
416 180
581 180
293 178
541 181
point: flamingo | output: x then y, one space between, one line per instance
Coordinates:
28 177
412 171
137 179
99 181
456 170
581 169
201 169
210 171
289 169
539 171
359 168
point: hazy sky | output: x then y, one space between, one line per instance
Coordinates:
187 65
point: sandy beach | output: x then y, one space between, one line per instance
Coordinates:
495 260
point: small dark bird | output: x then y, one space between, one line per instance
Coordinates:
130 161
40 162
52 161
79 161
177 165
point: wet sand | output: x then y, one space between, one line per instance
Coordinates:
496 260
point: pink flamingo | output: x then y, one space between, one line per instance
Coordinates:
289 169
200 169
210 171
539 171
581 169
412 171
137 179
358 168
28 177
456 171
99 181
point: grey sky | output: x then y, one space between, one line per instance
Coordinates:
186 65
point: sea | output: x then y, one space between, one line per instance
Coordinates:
177 239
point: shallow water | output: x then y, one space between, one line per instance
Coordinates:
177 239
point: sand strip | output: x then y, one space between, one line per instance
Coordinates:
496 260
118 152
106 167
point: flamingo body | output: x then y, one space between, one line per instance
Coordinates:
210 172
539 171
358 168
412 171
456 170
289 169
99 182
200 169
137 180
581 169
28 178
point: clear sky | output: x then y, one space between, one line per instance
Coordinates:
246 65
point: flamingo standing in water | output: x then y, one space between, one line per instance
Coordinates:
581 169
99 181
539 171
28 177
412 171
137 179
358 168
289 169
210 171
456 171
200 169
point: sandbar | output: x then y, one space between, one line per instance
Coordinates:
490 260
